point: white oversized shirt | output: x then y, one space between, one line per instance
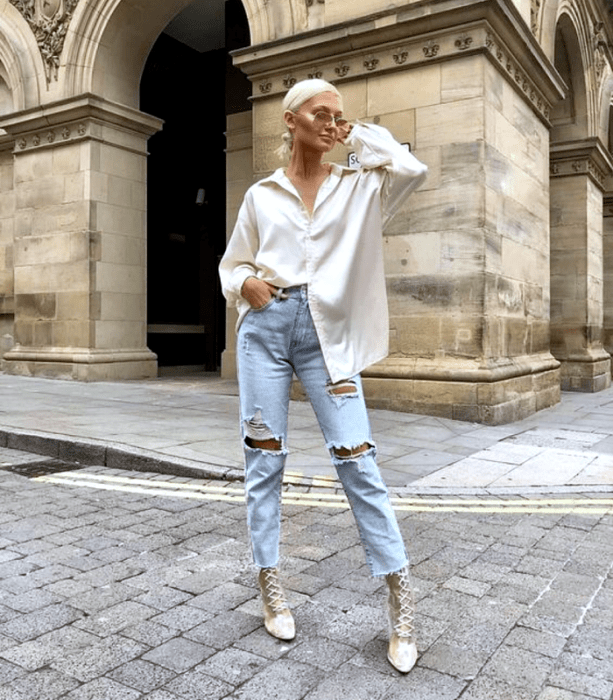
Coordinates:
337 251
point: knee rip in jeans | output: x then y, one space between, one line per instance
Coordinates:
352 454
259 436
345 389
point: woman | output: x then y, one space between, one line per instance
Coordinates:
304 266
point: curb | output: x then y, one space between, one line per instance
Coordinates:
102 454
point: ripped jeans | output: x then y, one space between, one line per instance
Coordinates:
273 343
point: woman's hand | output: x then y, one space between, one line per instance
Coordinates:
343 132
257 292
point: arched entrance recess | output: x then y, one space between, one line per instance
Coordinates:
81 154
580 162
189 82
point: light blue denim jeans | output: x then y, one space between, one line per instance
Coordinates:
273 343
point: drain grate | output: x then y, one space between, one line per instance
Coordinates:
32 470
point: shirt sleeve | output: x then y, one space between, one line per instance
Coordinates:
238 262
376 148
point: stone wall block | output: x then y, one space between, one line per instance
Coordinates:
523 263
39 194
42 250
66 159
433 158
72 306
120 192
111 277
123 250
23 222
43 333
95 306
51 277
120 220
7 228
452 208
36 306
462 79
517 337
79 245
413 253
388 93
71 216
539 336
432 293
6 270
74 188
71 334
119 334
453 122
122 307
124 164
417 335
517 222
98 186
461 336
24 332
512 182
493 336
33 167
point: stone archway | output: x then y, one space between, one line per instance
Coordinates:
109 40
79 171
580 163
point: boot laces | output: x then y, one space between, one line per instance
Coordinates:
275 596
404 624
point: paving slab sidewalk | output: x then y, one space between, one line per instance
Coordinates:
189 426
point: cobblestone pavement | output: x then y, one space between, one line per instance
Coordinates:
128 585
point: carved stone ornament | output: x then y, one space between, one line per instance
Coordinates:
600 46
342 69
310 3
431 49
48 20
400 56
463 42
535 13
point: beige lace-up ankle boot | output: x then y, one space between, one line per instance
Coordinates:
277 616
402 651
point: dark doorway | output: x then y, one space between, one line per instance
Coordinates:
192 91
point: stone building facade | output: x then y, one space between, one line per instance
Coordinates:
499 268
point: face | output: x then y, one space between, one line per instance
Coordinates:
310 129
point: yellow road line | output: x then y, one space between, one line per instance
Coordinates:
210 492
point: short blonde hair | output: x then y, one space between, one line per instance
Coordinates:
296 96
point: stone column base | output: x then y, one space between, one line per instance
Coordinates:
228 364
495 403
588 375
462 390
81 364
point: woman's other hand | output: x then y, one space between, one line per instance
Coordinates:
257 292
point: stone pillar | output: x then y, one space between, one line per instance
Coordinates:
7 219
607 240
80 240
467 257
239 177
578 173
